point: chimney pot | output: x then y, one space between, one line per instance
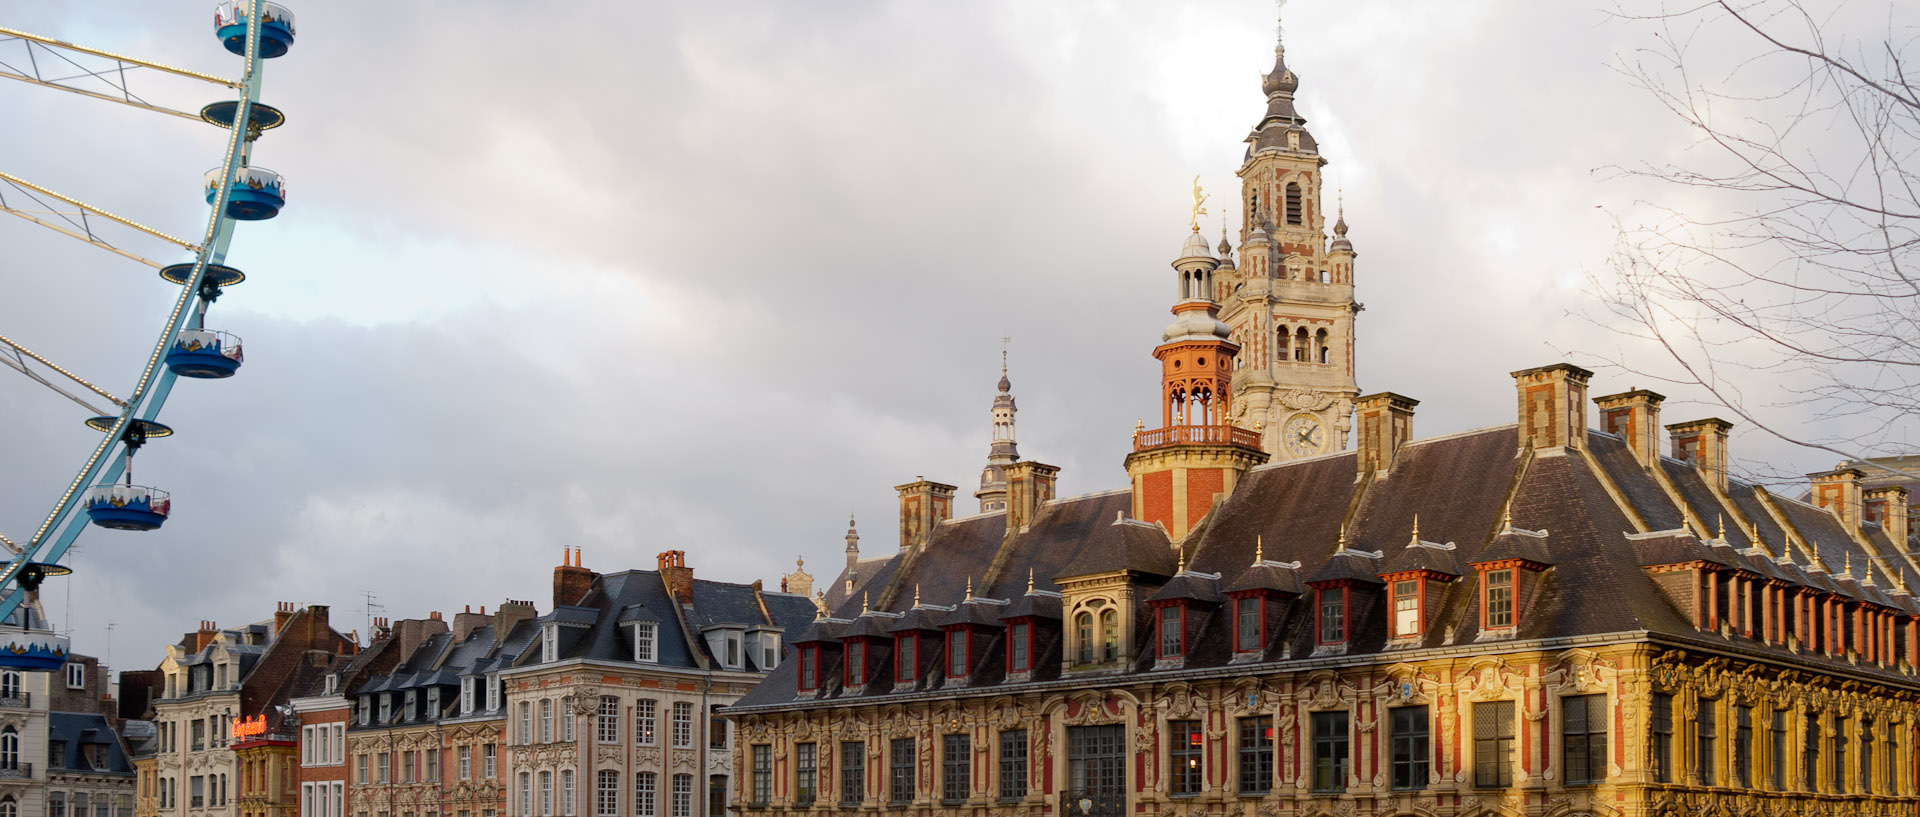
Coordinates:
1888 505
1839 491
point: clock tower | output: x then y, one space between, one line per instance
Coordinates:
1290 299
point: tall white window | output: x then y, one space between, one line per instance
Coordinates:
546 720
645 787
526 793
643 721
607 729
682 724
306 758
466 763
526 722
546 794
493 692
9 749
466 695
683 795
566 792
550 643
606 797
76 676
339 744
492 761
566 723
643 642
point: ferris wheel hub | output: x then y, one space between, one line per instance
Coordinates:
145 429
276 30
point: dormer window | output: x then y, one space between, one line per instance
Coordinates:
433 703
1173 641
1020 647
386 708
856 662
643 642
366 709
1499 599
1083 632
408 711
809 674
958 652
733 650
906 657
550 643
769 650
466 696
493 692
1333 615
1247 623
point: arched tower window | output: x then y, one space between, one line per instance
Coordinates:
1320 342
1301 350
1280 345
1083 629
1110 635
1253 208
1293 203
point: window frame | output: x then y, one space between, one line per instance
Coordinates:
1589 733
1174 644
1332 751
1493 754
902 763
958 637
806 774
762 775
1255 755
956 768
1020 646
1013 764
1186 758
854 657
906 657
1706 735
1410 747
1249 639
853 772
1500 588
1415 596
1330 614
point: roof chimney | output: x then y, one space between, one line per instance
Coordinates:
466 621
1635 417
923 505
1029 485
1703 444
1839 491
1386 422
205 635
571 581
282 612
510 614
677 576
1553 406
1887 505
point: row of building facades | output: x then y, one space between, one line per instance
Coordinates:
1294 606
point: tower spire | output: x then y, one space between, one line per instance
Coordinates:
1002 451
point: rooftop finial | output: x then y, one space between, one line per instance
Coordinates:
1416 530
1279 27
1259 550
1342 543
1506 519
1029 581
969 588
1849 564
1183 558
1720 534
916 594
1199 206
864 599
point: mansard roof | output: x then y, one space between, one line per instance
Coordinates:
1596 521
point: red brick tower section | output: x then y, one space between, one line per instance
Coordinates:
1197 454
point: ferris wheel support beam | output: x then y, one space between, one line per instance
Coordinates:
85 210
156 380
56 46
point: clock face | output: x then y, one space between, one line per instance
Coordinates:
1303 435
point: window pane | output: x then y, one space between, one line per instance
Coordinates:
1411 744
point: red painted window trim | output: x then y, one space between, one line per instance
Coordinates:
809 656
1346 607
1260 615
1158 645
1012 626
946 652
856 675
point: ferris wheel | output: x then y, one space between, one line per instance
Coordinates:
103 493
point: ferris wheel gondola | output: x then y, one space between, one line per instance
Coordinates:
235 191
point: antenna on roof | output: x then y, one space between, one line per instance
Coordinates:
371 608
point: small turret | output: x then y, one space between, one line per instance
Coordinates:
853 543
1002 451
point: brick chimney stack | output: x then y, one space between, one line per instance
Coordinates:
1553 406
413 632
510 614
1386 422
466 621
281 613
675 574
1635 417
1839 491
1029 485
571 580
204 636
923 505
1888 506
1703 444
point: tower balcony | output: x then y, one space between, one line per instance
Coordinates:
1147 440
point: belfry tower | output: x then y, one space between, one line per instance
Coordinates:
1290 300
1197 453
1002 452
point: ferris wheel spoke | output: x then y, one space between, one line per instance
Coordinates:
91 72
15 355
74 218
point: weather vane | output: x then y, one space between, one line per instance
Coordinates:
1199 205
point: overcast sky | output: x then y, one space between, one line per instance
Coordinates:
707 276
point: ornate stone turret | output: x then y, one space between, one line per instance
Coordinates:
1197 453
1002 452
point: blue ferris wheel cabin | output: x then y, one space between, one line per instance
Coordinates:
276 28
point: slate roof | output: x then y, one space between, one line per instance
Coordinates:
71 732
593 628
1594 522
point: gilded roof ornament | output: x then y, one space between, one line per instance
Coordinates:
1258 550
1199 205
